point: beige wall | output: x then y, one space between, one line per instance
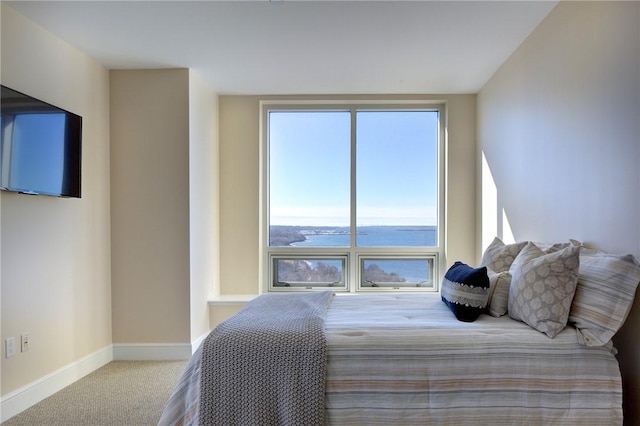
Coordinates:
150 249
240 183
164 198
161 170
55 264
558 126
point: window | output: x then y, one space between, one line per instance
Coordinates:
352 196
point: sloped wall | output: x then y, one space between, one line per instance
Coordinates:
559 138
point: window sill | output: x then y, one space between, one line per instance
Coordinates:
232 299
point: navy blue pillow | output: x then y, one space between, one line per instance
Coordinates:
465 290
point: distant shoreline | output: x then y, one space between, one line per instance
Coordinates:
286 235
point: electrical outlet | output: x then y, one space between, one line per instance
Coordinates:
10 347
24 342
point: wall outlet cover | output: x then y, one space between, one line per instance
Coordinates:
10 347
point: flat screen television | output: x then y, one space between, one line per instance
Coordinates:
40 148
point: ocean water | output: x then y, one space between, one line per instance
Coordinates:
412 270
375 236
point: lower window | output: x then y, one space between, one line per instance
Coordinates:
397 273
308 273
374 273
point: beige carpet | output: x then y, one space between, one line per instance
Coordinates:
120 393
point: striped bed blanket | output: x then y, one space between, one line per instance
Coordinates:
405 360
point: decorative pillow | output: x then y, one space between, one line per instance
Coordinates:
499 283
465 290
606 287
551 247
543 286
499 256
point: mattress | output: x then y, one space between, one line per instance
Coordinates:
406 359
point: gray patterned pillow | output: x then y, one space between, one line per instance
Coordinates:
552 247
499 256
543 286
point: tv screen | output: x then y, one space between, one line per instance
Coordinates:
40 148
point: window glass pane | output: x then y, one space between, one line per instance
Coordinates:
352 186
309 178
308 272
397 273
396 178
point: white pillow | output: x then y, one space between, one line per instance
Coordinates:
499 256
604 295
499 283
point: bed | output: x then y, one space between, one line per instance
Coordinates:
407 359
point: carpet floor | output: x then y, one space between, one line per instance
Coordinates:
125 393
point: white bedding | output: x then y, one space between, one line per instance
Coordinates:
405 359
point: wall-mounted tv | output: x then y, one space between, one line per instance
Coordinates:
40 147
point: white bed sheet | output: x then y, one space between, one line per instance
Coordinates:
406 359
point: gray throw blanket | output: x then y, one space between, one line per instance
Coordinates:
267 364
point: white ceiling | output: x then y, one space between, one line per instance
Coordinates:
301 47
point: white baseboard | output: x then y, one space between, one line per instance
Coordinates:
19 400
151 351
156 351
196 343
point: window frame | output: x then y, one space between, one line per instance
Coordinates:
344 258
354 255
433 283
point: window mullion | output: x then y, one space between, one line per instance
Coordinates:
352 219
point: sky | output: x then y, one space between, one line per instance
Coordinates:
37 153
396 167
